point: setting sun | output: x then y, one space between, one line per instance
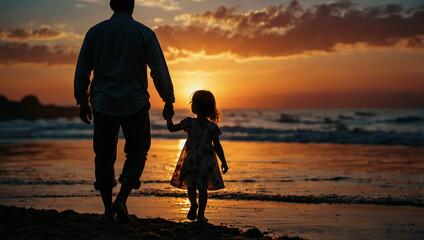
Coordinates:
192 89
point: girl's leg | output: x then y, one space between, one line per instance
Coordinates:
203 199
192 197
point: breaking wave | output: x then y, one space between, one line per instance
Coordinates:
305 199
377 127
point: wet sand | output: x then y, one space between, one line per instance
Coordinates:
21 223
33 172
274 219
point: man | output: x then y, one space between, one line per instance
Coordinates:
118 52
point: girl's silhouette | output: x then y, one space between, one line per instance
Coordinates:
197 166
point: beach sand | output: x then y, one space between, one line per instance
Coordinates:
273 219
21 223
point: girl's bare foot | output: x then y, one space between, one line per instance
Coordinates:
201 218
192 214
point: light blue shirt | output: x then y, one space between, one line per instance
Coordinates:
118 52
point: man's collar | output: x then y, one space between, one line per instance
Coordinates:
121 15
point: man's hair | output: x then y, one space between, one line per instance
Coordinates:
122 5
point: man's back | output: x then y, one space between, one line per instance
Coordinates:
118 50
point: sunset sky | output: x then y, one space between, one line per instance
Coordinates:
249 53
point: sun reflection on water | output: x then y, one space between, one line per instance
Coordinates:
181 144
183 204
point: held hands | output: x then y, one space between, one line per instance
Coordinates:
168 111
224 168
85 113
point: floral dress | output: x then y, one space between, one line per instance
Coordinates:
197 165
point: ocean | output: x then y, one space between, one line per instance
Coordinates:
302 156
404 127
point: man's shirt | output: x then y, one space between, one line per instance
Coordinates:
118 52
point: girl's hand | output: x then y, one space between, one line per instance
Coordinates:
224 168
167 116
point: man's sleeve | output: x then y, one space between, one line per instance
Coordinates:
159 70
83 72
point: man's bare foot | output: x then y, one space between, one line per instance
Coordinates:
192 214
122 213
110 217
201 218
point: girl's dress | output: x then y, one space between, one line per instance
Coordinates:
197 165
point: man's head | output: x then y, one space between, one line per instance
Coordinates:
122 6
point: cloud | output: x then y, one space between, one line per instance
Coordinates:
45 33
69 32
91 1
157 20
168 5
286 30
12 53
85 2
276 31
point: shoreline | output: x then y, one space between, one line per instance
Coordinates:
295 199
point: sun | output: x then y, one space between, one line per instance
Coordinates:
192 89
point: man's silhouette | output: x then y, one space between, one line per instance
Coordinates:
118 52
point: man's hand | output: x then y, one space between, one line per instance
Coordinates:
85 113
168 111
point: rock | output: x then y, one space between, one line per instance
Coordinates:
253 233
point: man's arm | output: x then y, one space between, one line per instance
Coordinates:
82 80
160 74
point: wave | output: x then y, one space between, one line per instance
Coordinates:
15 181
394 127
336 179
341 134
237 196
310 199
341 118
365 114
406 119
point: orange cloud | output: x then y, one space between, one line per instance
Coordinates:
21 53
23 35
287 30
276 31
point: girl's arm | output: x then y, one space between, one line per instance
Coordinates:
171 126
220 152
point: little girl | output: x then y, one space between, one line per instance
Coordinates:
197 166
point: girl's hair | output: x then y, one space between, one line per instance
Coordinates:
205 105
